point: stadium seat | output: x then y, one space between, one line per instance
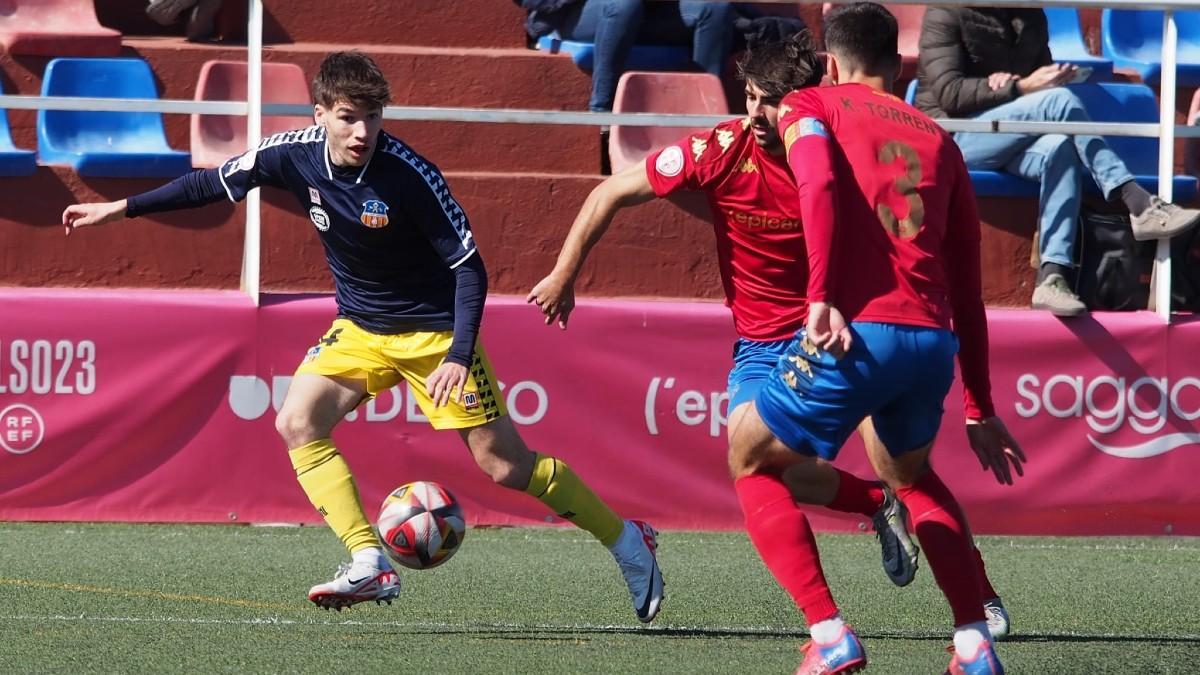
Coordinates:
13 160
216 138
687 93
910 94
128 144
1133 40
55 28
1067 46
908 18
1105 102
641 57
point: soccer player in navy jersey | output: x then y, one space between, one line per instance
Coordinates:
893 246
741 168
410 287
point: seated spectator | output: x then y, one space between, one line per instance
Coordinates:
995 64
201 23
614 26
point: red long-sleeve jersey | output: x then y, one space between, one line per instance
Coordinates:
889 219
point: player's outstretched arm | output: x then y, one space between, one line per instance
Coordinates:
996 448
97 213
555 294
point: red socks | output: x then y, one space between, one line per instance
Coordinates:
783 538
942 531
985 584
856 495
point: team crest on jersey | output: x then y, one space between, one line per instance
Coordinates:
319 218
374 214
669 162
470 400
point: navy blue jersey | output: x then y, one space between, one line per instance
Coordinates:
398 243
392 231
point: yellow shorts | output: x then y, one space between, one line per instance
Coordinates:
350 352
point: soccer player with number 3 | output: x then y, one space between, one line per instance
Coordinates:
894 294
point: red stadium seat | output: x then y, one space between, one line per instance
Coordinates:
55 28
908 20
216 138
688 93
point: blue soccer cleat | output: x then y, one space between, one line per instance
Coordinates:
984 662
843 655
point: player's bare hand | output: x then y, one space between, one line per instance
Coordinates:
82 215
998 81
555 296
827 329
446 383
996 449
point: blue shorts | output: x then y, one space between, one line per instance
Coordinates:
753 363
897 375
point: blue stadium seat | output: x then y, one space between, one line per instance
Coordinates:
126 144
910 94
1114 102
1105 102
641 57
1067 46
13 161
1133 40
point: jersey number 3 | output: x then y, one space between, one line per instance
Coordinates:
906 185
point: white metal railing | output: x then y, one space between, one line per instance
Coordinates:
254 109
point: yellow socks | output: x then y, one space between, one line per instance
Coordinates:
556 485
326 480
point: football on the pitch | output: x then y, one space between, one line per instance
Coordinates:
421 525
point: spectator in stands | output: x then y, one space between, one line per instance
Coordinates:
201 23
614 26
995 64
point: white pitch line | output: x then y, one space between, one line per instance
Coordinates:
715 631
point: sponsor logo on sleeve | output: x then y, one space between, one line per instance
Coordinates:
669 162
314 196
319 218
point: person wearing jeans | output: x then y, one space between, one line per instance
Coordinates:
995 64
614 26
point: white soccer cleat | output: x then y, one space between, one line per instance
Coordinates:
997 618
635 554
354 584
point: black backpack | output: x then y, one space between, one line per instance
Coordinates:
1115 269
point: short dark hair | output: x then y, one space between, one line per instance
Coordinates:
352 77
863 33
779 67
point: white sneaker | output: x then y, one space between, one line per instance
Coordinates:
635 554
356 583
997 618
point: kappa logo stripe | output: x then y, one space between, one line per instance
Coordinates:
437 184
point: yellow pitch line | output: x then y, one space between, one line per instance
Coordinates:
155 595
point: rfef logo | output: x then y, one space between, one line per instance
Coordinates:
21 429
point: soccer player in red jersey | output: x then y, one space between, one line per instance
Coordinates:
741 168
893 245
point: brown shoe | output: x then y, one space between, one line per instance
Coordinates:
1056 297
1163 220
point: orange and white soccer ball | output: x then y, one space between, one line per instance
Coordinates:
421 525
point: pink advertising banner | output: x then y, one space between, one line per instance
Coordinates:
159 406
